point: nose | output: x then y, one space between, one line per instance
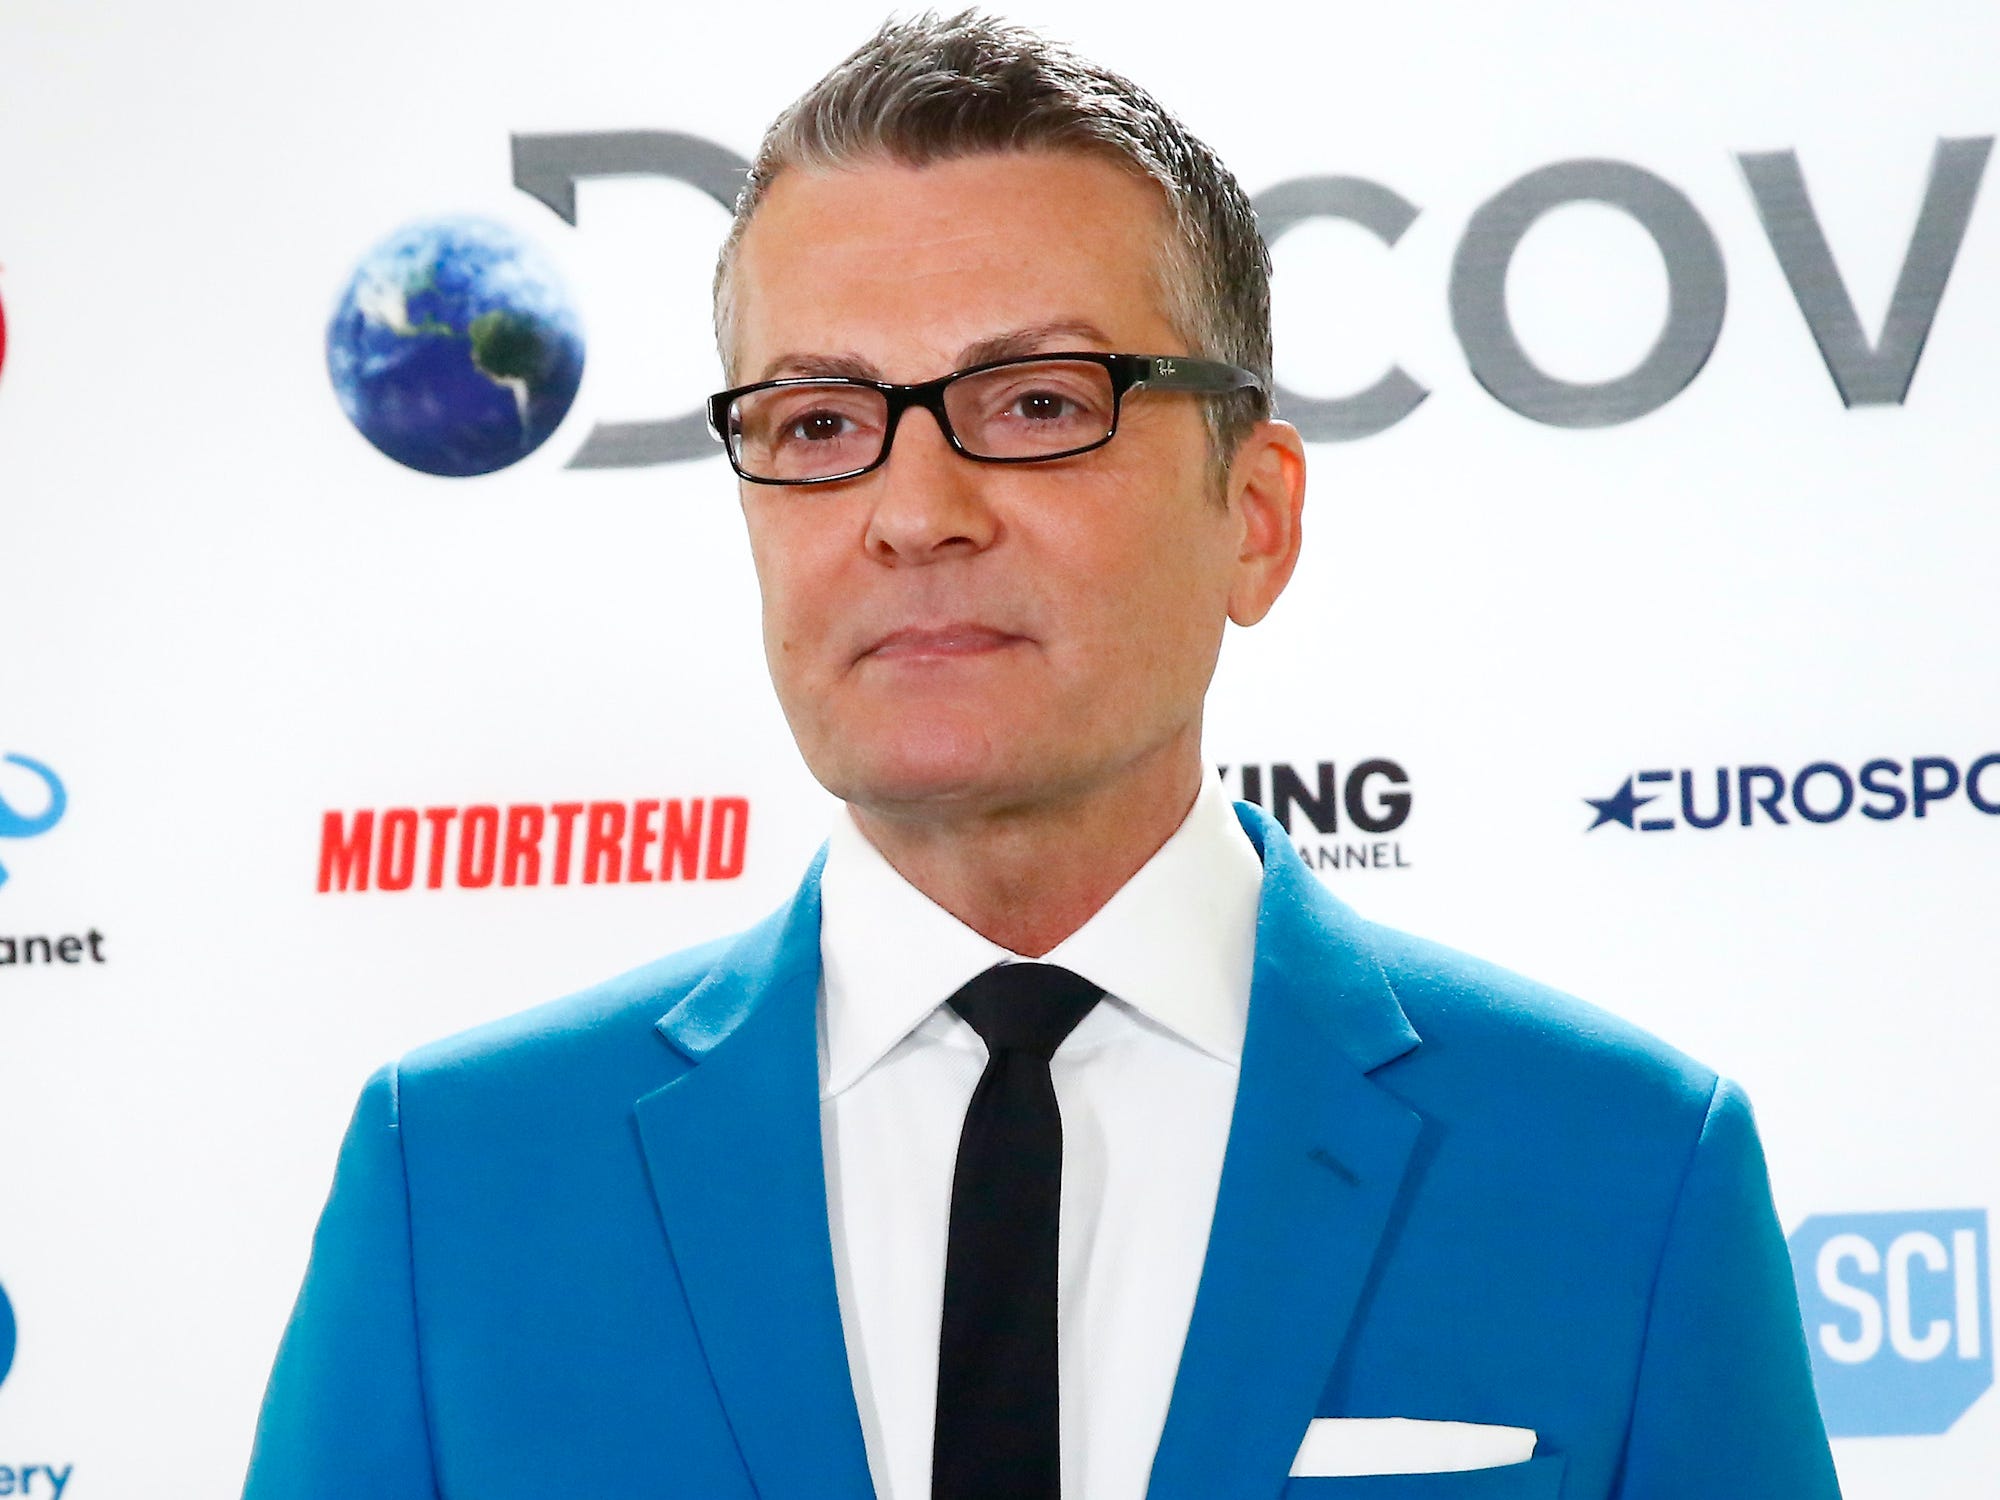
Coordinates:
930 502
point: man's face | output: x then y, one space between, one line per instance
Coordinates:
948 637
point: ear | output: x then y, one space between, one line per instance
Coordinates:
1267 495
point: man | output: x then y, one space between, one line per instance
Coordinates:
1229 1193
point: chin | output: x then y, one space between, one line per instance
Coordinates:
930 770
916 787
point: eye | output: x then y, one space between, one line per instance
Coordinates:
1044 406
818 427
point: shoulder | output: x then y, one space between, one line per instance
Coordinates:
599 1044
1534 1050
1485 1037
618 1008
577 1065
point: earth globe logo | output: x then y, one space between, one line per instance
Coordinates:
454 348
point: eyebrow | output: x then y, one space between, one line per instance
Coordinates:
849 366
1034 338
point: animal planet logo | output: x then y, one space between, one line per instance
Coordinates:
455 349
16 825
1897 1310
1823 792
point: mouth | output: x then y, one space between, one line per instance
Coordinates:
940 642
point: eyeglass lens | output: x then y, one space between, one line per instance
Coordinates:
819 429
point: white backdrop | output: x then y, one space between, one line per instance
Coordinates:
226 614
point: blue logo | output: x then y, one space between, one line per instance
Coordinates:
6 1335
454 349
1898 1317
1881 790
14 825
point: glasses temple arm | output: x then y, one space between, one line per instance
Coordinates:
1203 376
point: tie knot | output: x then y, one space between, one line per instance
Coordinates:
1025 1007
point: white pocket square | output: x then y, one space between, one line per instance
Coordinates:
1342 1447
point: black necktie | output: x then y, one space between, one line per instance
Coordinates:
997 1436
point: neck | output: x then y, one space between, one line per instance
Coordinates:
1027 876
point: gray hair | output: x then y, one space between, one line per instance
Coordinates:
929 89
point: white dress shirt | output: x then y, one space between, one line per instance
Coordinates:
1145 1083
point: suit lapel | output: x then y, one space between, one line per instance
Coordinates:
733 1148
1316 1158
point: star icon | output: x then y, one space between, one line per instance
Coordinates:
1618 807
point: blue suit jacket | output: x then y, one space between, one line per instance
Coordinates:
584 1251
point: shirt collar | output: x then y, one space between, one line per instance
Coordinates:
1176 943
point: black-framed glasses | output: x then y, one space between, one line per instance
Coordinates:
817 429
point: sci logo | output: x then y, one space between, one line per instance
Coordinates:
1897 1315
